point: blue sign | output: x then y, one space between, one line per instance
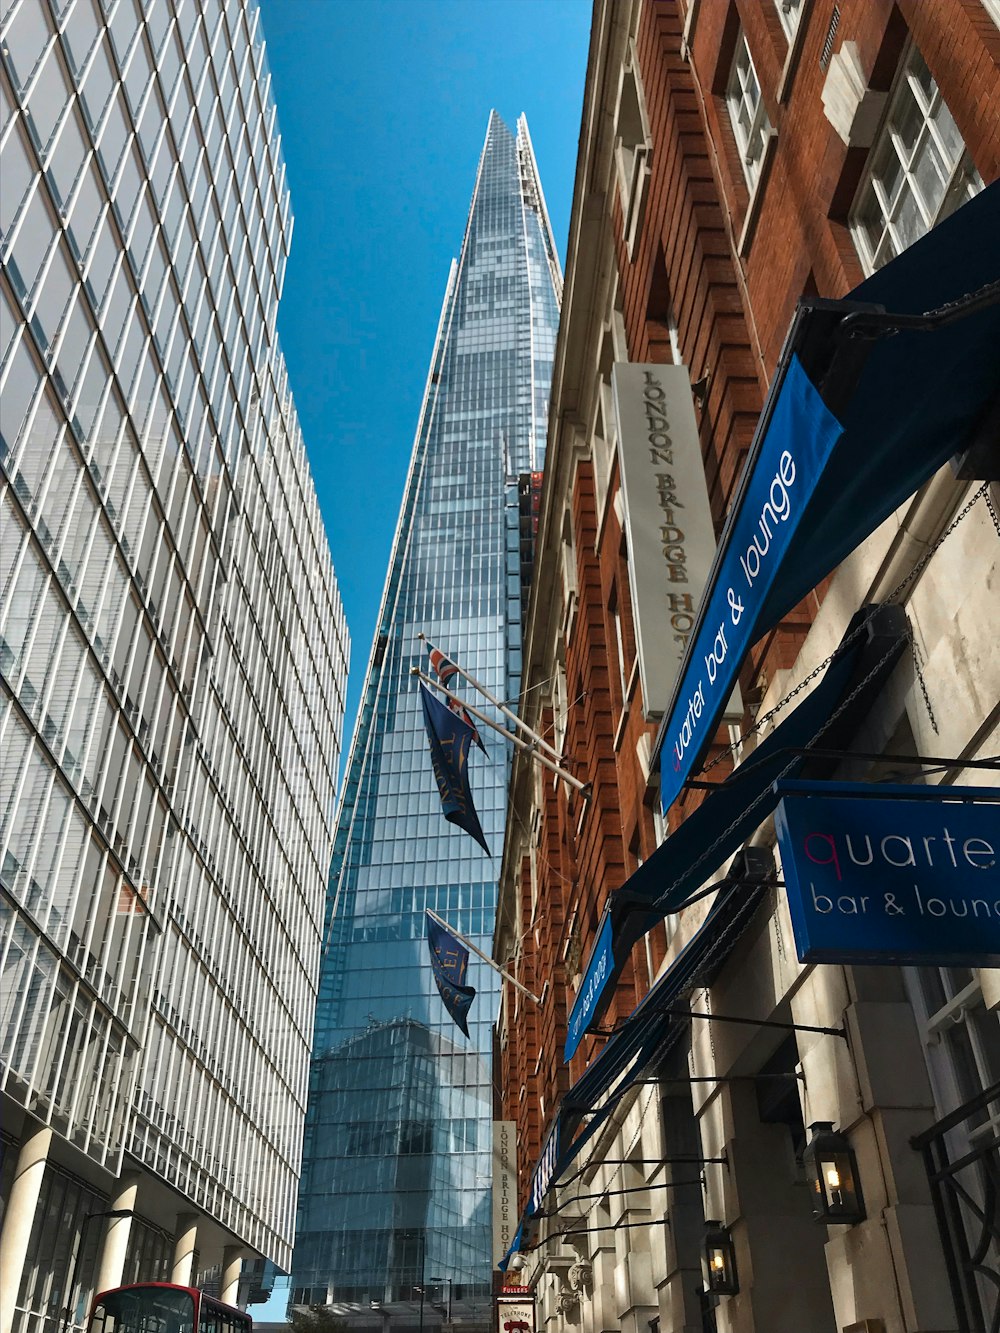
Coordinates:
892 874
544 1171
800 438
599 969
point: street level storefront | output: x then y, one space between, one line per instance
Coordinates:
767 956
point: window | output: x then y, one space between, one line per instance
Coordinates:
633 149
747 112
919 169
962 1039
789 12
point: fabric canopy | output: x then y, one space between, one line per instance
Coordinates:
856 421
828 717
645 1035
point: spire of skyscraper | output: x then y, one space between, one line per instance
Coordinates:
396 1177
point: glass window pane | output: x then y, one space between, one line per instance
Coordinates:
25 41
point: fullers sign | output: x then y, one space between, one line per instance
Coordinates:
668 522
798 444
892 874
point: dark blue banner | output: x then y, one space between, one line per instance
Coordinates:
818 483
892 874
450 739
599 969
800 438
450 963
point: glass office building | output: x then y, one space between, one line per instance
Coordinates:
396 1183
172 648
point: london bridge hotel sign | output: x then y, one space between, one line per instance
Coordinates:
667 520
892 874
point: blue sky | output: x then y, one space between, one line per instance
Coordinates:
383 106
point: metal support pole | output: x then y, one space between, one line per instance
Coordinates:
757 1022
582 787
479 953
518 722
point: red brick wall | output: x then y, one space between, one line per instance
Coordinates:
732 313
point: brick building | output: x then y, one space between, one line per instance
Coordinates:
738 157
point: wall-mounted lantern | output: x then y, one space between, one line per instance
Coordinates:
833 1174
718 1261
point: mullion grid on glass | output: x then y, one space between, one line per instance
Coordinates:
400 856
877 218
137 152
747 112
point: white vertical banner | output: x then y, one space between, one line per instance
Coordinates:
504 1187
668 522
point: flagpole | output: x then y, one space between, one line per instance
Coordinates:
508 713
582 787
495 966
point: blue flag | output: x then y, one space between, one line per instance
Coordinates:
450 739
450 962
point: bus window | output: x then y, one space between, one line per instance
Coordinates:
218 1318
144 1310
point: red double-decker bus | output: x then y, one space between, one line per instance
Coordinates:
162 1307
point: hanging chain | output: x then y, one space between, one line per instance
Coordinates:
918 671
727 751
711 1035
991 507
779 938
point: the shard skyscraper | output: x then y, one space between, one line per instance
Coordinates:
396 1182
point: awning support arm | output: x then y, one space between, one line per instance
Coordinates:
719 1078
757 1022
877 324
813 752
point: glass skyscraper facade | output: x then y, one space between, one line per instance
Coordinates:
396 1189
173 651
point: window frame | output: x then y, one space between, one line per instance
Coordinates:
962 177
760 128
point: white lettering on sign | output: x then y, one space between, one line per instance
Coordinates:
775 510
897 849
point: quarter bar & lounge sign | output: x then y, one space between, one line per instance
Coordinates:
798 445
892 874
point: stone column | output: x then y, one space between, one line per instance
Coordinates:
185 1244
111 1265
20 1215
232 1265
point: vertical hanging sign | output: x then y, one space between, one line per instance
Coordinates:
504 1187
667 519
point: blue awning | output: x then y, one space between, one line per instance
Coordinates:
645 1036
855 422
829 716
